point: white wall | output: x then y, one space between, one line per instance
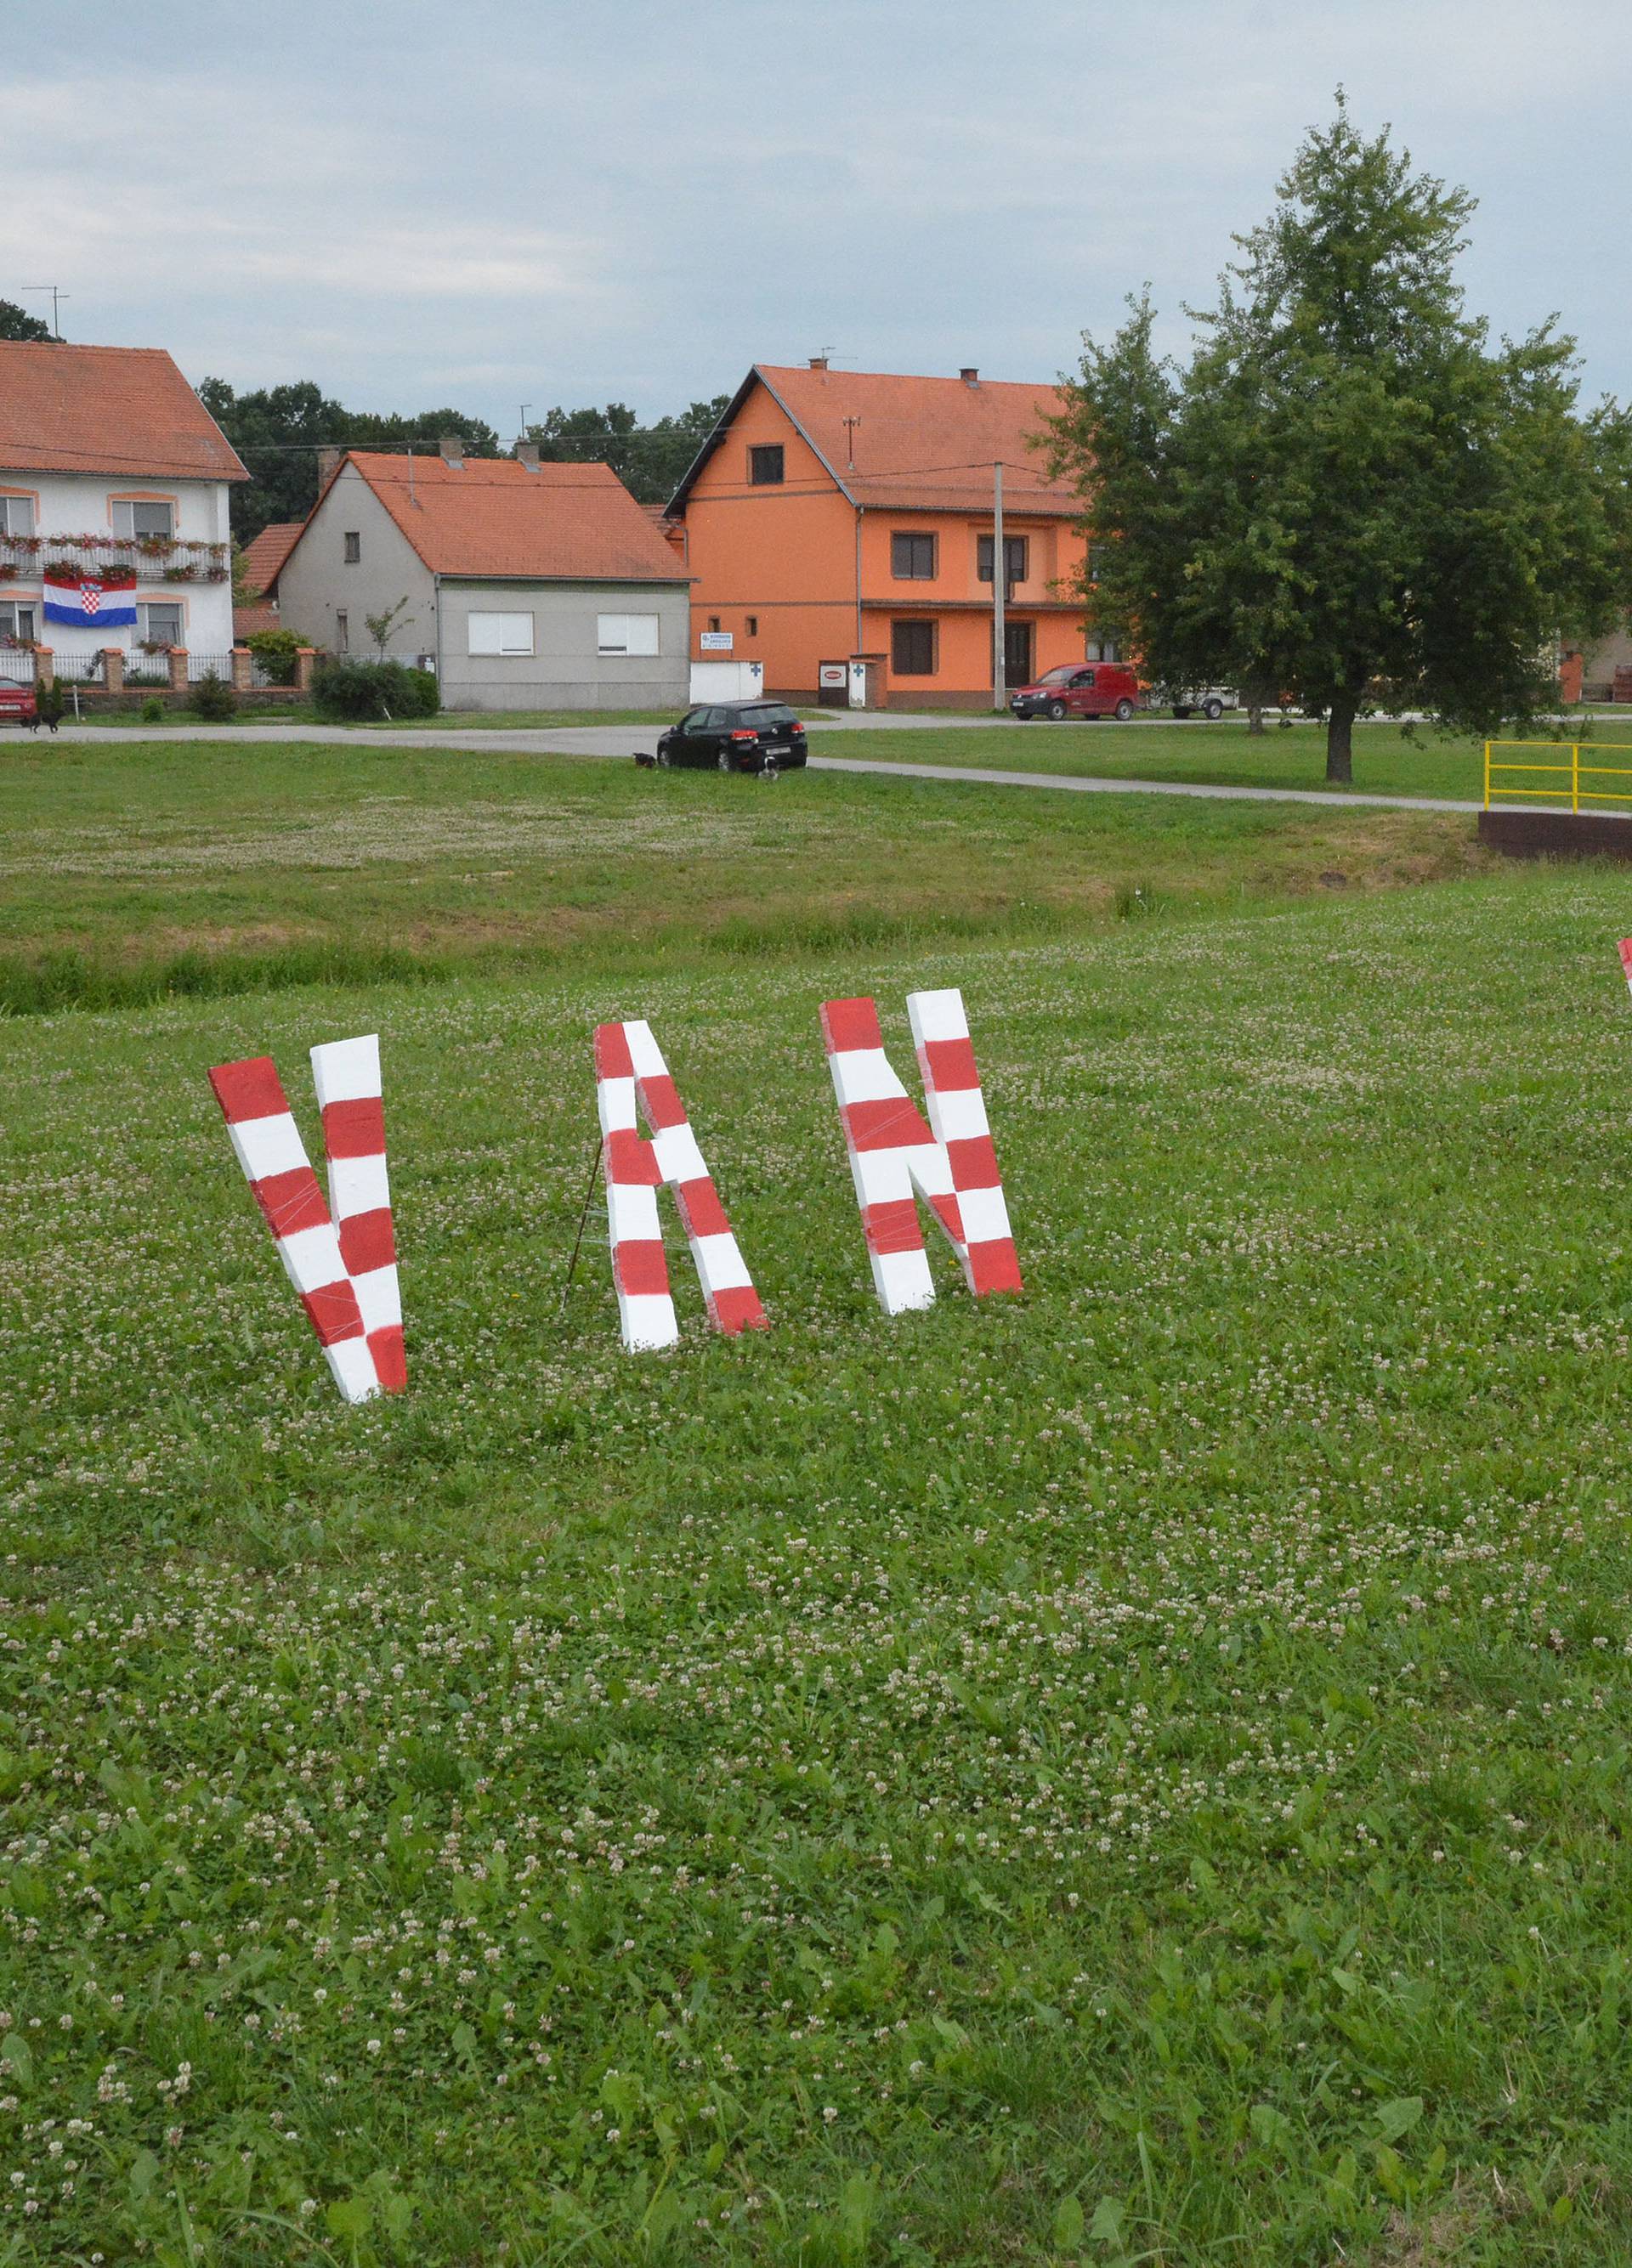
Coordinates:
80 504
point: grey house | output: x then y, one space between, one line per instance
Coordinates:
529 585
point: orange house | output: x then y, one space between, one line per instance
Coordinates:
839 515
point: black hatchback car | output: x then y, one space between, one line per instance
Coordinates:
736 736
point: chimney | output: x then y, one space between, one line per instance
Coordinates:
970 377
526 453
451 447
818 362
328 461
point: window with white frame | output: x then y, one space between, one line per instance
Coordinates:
17 515
501 633
20 622
136 518
159 625
626 633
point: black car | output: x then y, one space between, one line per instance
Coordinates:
736 736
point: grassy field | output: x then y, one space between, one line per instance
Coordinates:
1132 1774
128 871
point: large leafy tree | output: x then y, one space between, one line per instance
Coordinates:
16 323
1347 494
651 460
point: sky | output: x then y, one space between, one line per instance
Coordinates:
502 204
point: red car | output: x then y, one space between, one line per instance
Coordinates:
1079 688
18 706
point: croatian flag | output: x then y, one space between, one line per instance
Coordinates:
92 602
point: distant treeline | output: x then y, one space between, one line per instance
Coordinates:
278 430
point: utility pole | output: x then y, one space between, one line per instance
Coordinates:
1000 592
55 295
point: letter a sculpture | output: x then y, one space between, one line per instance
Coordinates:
343 1267
951 1161
630 1070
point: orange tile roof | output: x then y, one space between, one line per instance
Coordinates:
494 517
923 444
247 619
126 412
265 554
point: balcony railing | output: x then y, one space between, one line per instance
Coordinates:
155 558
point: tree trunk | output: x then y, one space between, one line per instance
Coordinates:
1341 740
1255 716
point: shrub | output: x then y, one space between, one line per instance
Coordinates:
352 692
50 701
212 699
152 710
275 652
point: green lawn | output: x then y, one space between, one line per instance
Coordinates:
1132 1774
128 871
1224 754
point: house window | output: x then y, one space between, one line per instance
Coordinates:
17 515
19 624
1015 548
158 625
353 546
625 634
713 621
501 633
912 649
1101 650
765 466
342 632
1096 563
912 558
135 521
751 625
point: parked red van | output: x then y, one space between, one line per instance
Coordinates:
1079 688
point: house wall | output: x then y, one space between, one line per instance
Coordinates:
564 670
786 558
317 585
67 504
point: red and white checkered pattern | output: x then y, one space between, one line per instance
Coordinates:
630 1070
951 1161
267 1143
346 1074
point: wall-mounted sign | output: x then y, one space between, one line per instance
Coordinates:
833 673
716 641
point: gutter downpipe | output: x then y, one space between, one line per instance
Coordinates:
860 508
435 604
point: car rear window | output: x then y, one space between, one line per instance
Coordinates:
771 713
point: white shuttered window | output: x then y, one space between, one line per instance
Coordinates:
626 633
501 633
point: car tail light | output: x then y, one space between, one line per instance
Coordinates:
745 736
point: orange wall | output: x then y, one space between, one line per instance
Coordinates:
787 556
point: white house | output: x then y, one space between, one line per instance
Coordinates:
114 530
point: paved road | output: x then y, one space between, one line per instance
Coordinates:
621 740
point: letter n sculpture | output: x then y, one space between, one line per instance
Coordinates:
630 1070
951 1161
343 1265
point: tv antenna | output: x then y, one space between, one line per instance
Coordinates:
56 294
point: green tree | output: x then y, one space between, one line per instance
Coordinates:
16 323
1346 494
651 460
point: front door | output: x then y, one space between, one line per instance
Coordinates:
1016 653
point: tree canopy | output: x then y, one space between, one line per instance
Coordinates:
1347 496
16 323
651 460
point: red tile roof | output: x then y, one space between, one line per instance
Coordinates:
126 412
921 444
265 554
247 619
490 516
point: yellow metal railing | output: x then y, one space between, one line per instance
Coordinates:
1573 772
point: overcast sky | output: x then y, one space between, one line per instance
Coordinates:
500 203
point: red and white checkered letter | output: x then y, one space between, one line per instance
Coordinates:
346 1276
951 1161
629 1071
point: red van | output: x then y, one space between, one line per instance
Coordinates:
1079 688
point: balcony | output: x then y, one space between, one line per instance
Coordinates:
154 558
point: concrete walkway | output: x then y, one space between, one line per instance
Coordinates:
621 740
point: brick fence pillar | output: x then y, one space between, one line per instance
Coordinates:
306 656
178 669
113 668
45 665
240 669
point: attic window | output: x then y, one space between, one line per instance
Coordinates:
135 521
765 466
353 547
17 515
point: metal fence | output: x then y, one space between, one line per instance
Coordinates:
1561 782
200 664
16 666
